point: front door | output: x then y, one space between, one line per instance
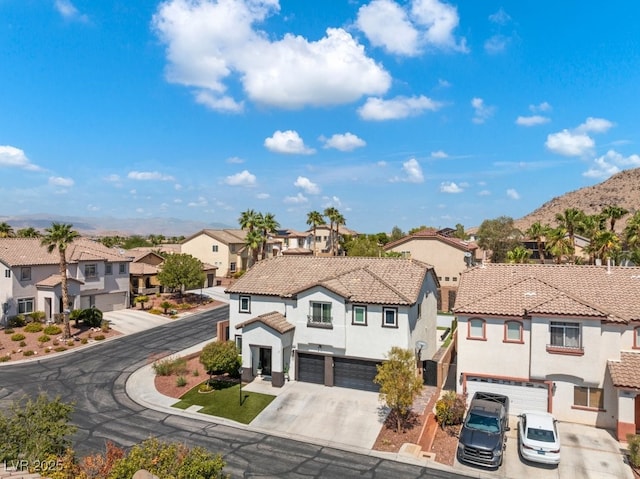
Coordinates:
265 361
638 413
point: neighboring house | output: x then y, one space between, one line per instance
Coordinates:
558 338
449 256
331 320
292 242
224 249
323 238
581 246
98 276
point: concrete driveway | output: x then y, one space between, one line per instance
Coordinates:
129 321
585 453
320 414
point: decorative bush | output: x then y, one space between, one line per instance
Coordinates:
9 331
181 381
205 387
84 341
633 440
5 358
70 343
37 316
29 353
104 325
196 372
17 337
59 349
99 337
184 306
166 305
44 338
16 321
52 330
155 311
169 366
22 344
450 409
33 328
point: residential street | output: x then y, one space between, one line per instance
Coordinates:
94 378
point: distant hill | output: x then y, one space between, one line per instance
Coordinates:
109 226
622 189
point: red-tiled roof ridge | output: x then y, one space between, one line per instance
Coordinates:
433 234
274 319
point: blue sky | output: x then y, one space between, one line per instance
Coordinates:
395 112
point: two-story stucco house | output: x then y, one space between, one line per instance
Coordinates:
30 277
325 236
331 320
449 256
559 338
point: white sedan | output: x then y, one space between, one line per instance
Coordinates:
538 437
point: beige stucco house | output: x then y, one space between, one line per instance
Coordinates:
449 257
559 338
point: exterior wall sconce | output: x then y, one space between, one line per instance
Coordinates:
553 389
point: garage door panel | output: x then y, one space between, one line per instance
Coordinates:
355 374
311 368
523 395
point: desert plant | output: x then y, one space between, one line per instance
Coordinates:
37 316
196 372
84 341
92 317
33 328
104 326
29 353
5 358
165 305
155 311
169 366
22 344
44 338
9 331
17 337
16 321
181 381
141 300
59 349
450 409
633 441
70 342
97 337
52 330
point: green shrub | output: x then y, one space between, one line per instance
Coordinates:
59 349
221 356
5 358
9 331
450 409
16 321
44 338
633 440
29 353
37 316
70 342
169 366
155 311
99 337
52 330
104 325
196 372
33 328
238 274
84 341
17 337
181 381
22 344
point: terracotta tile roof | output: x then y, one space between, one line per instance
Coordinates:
226 236
298 251
625 373
29 252
430 234
368 280
54 280
576 290
273 319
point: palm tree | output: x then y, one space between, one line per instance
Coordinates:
315 218
632 231
519 254
339 220
613 213
6 231
29 232
59 237
331 214
537 232
248 220
558 244
252 241
589 227
605 244
570 219
268 224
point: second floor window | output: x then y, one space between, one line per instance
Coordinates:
389 318
25 274
513 331
320 313
108 268
565 335
90 270
245 304
360 315
7 273
476 329
122 268
214 248
232 267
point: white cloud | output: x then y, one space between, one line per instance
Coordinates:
149 176
288 142
450 187
177 187
541 107
439 154
91 207
513 194
60 181
244 178
532 120
234 160
263 196
611 163
199 203
500 17
399 107
381 163
496 44
331 201
296 200
307 185
204 53
594 125
413 172
484 193
442 83
13 157
69 11
482 112
568 143
344 142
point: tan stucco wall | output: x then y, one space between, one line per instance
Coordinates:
201 247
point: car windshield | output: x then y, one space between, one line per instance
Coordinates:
542 435
483 423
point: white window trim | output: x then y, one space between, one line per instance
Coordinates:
248 308
384 317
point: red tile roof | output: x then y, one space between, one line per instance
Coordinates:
273 319
625 373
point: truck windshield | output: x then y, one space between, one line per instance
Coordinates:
483 423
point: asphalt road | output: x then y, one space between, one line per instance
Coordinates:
94 379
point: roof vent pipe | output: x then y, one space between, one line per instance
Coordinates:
608 265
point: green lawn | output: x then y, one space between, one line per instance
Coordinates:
225 403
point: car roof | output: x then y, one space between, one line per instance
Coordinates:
539 419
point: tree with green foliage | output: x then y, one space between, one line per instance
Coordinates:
221 357
396 234
460 232
268 225
538 232
399 383
169 461
331 213
315 219
181 272
631 231
613 213
33 429
92 317
498 235
363 245
6 231
559 245
29 232
253 240
571 219
605 244
519 255
59 237
135 241
416 229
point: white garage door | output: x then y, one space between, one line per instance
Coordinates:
522 395
110 302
